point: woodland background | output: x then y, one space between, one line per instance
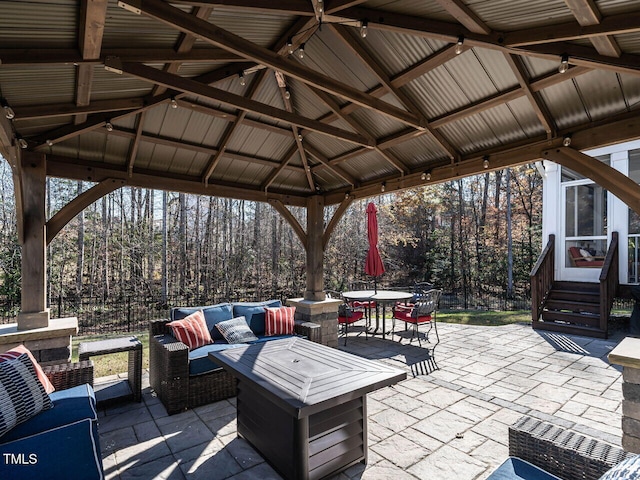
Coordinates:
476 238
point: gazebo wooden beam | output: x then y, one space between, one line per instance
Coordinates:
75 206
187 85
217 36
587 13
615 182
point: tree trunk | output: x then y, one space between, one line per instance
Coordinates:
165 273
509 238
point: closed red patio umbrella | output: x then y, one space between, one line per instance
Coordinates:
373 264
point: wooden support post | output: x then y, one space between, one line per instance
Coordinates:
315 250
34 312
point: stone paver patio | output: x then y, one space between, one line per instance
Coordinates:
445 423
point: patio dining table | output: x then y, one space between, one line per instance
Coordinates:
382 297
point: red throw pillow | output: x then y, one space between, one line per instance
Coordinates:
15 352
192 330
279 321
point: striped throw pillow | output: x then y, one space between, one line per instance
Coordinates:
21 394
279 321
15 352
192 330
236 330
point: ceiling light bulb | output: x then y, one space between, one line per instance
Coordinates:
320 6
10 114
23 143
382 187
301 51
243 81
300 136
566 141
428 176
564 63
108 126
174 103
459 45
423 177
364 27
290 46
49 143
287 94
485 162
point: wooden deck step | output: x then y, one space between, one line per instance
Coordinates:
570 329
585 319
574 296
573 306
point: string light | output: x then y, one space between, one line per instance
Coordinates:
174 103
320 5
243 81
564 63
364 27
566 141
301 51
49 143
485 162
383 186
290 45
287 94
108 126
22 142
459 45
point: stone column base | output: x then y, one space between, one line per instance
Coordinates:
50 345
627 354
324 313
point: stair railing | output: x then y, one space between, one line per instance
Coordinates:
609 281
542 277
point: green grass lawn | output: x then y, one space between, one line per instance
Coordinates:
117 362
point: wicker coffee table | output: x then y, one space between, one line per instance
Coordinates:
303 405
131 388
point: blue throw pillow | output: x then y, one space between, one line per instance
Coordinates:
254 313
212 315
628 469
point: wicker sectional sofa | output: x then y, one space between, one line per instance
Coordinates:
185 379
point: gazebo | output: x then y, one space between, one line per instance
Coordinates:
306 103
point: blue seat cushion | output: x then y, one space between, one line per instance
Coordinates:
199 361
516 469
212 315
254 314
69 406
62 452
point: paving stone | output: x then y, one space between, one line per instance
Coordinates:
541 404
466 409
146 431
165 468
263 471
143 452
448 463
117 439
502 391
204 466
393 420
444 425
558 394
182 435
441 397
123 419
400 451
386 470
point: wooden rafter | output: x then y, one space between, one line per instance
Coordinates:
58 56
293 7
185 44
465 15
93 14
587 13
276 171
334 168
386 82
135 144
541 110
446 31
335 218
236 101
214 160
199 148
217 36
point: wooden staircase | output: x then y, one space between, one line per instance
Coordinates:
572 307
578 308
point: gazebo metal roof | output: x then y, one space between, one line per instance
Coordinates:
203 96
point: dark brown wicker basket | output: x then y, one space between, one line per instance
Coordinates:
565 453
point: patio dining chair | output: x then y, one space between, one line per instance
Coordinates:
348 316
422 312
363 306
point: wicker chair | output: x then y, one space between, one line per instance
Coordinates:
67 375
169 370
561 452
